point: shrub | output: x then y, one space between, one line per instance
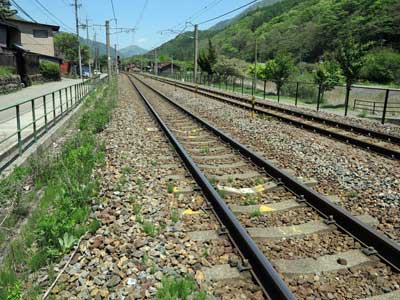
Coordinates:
5 72
50 71
381 65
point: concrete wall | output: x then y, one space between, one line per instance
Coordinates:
43 46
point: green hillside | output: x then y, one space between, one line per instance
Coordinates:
305 28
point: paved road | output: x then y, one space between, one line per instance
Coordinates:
8 122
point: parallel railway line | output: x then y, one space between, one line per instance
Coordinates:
379 142
279 213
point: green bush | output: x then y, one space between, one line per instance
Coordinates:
50 71
5 72
382 66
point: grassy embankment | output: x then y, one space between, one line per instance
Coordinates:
63 189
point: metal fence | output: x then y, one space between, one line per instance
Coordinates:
23 123
310 95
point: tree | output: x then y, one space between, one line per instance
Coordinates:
66 44
5 10
327 75
208 59
350 57
278 70
226 67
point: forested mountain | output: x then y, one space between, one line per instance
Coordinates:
305 28
223 24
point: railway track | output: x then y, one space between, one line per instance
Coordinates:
294 239
379 142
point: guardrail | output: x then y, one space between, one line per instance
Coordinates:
23 123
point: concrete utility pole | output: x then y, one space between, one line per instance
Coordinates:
155 62
255 67
79 42
95 66
196 51
108 49
116 60
87 42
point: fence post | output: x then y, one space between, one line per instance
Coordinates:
53 99
265 86
233 84
297 93
34 120
385 106
346 101
61 104
70 95
319 96
18 130
242 85
66 99
373 108
354 106
45 112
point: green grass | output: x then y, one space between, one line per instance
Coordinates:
205 150
255 214
176 288
259 181
362 114
213 181
170 188
5 72
63 211
250 200
175 215
149 228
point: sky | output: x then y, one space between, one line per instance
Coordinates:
150 17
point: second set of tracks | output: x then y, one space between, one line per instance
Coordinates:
298 243
371 140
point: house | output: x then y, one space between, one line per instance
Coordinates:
35 37
24 44
165 68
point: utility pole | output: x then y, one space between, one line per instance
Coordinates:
95 61
196 51
77 34
108 49
155 62
87 41
116 60
255 67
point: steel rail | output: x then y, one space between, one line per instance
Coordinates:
263 270
220 96
375 241
348 127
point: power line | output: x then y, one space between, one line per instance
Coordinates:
113 9
196 14
141 13
23 11
229 12
51 14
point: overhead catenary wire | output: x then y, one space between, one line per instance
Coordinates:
195 15
55 18
229 12
22 10
113 9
